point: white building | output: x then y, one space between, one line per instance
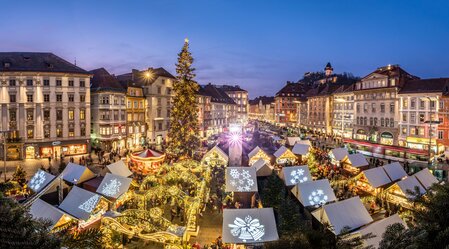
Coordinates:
45 103
240 98
343 111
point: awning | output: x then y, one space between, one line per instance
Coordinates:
314 193
293 175
249 226
241 179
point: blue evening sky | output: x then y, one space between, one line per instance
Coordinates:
258 45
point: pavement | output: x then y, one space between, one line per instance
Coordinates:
210 227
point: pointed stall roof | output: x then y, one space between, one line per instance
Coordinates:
114 186
409 184
306 142
426 178
292 140
119 168
347 213
80 203
77 174
293 175
255 151
339 153
394 171
377 177
313 193
377 229
281 151
42 210
40 180
249 225
219 151
263 168
301 149
357 160
241 179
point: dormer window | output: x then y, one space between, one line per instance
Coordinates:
6 64
49 65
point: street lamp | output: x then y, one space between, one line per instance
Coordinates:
4 150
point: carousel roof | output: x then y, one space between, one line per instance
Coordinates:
148 153
395 171
114 185
314 193
249 225
376 177
293 175
339 153
426 178
241 179
119 168
77 174
80 203
357 160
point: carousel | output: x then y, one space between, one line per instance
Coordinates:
146 162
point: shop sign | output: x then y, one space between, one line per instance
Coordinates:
56 143
386 135
418 140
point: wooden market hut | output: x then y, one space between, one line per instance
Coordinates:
57 217
373 180
242 183
215 157
293 175
398 192
291 141
426 178
301 150
395 171
263 168
256 154
284 156
338 155
314 193
355 163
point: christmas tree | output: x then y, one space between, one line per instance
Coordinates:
183 132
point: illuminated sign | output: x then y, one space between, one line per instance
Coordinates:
248 229
241 180
89 205
112 188
37 181
298 176
317 198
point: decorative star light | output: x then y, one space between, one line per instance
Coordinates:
241 179
317 198
90 204
37 180
111 188
298 176
247 230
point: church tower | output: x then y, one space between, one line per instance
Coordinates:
328 69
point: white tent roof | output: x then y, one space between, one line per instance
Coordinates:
241 179
377 229
249 226
119 168
347 213
357 160
218 151
313 193
293 175
114 185
292 140
306 142
409 183
263 168
40 180
77 174
301 149
377 177
426 178
280 151
339 153
395 171
80 203
42 210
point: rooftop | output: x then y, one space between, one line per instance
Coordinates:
425 86
103 81
217 95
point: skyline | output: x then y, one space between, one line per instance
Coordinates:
258 46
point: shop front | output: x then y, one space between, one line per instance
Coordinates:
386 138
14 151
31 151
361 134
64 148
423 144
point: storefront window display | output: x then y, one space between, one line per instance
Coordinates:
386 138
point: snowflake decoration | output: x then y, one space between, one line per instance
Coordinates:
111 188
298 176
317 198
37 180
90 204
241 180
248 229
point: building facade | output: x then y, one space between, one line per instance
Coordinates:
204 112
240 98
262 108
45 106
287 101
108 108
320 106
343 111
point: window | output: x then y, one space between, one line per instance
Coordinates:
391 122
58 97
440 134
135 104
432 104
421 131
30 98
405 103
29 82
46 115
12 82
382 121
58 82
83 131
422 118
375 121
46 131
71 131
412 103
159 90
104 100
82 83
115 129
421 104
159 113
130 129
30 115
30 132
71 83
82 114
404 117
404 130
71 114
82 98
371 121
391 107
373 107
71 97
387 122
412 117
46 97
159 101
59 131
159 126
12 98
46 82
12 115
382 107
59 115
413 130
365 107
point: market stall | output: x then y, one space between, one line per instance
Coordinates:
284 156
293 175
40 180
395 171
355 163
373 180
57 217
426 178
263 168
241 182
398 193
256 154
146 162
301 151
338 155
349 213
77 174
119 168
314 193
291 141
215 157
115 188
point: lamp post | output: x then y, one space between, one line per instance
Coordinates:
4 151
